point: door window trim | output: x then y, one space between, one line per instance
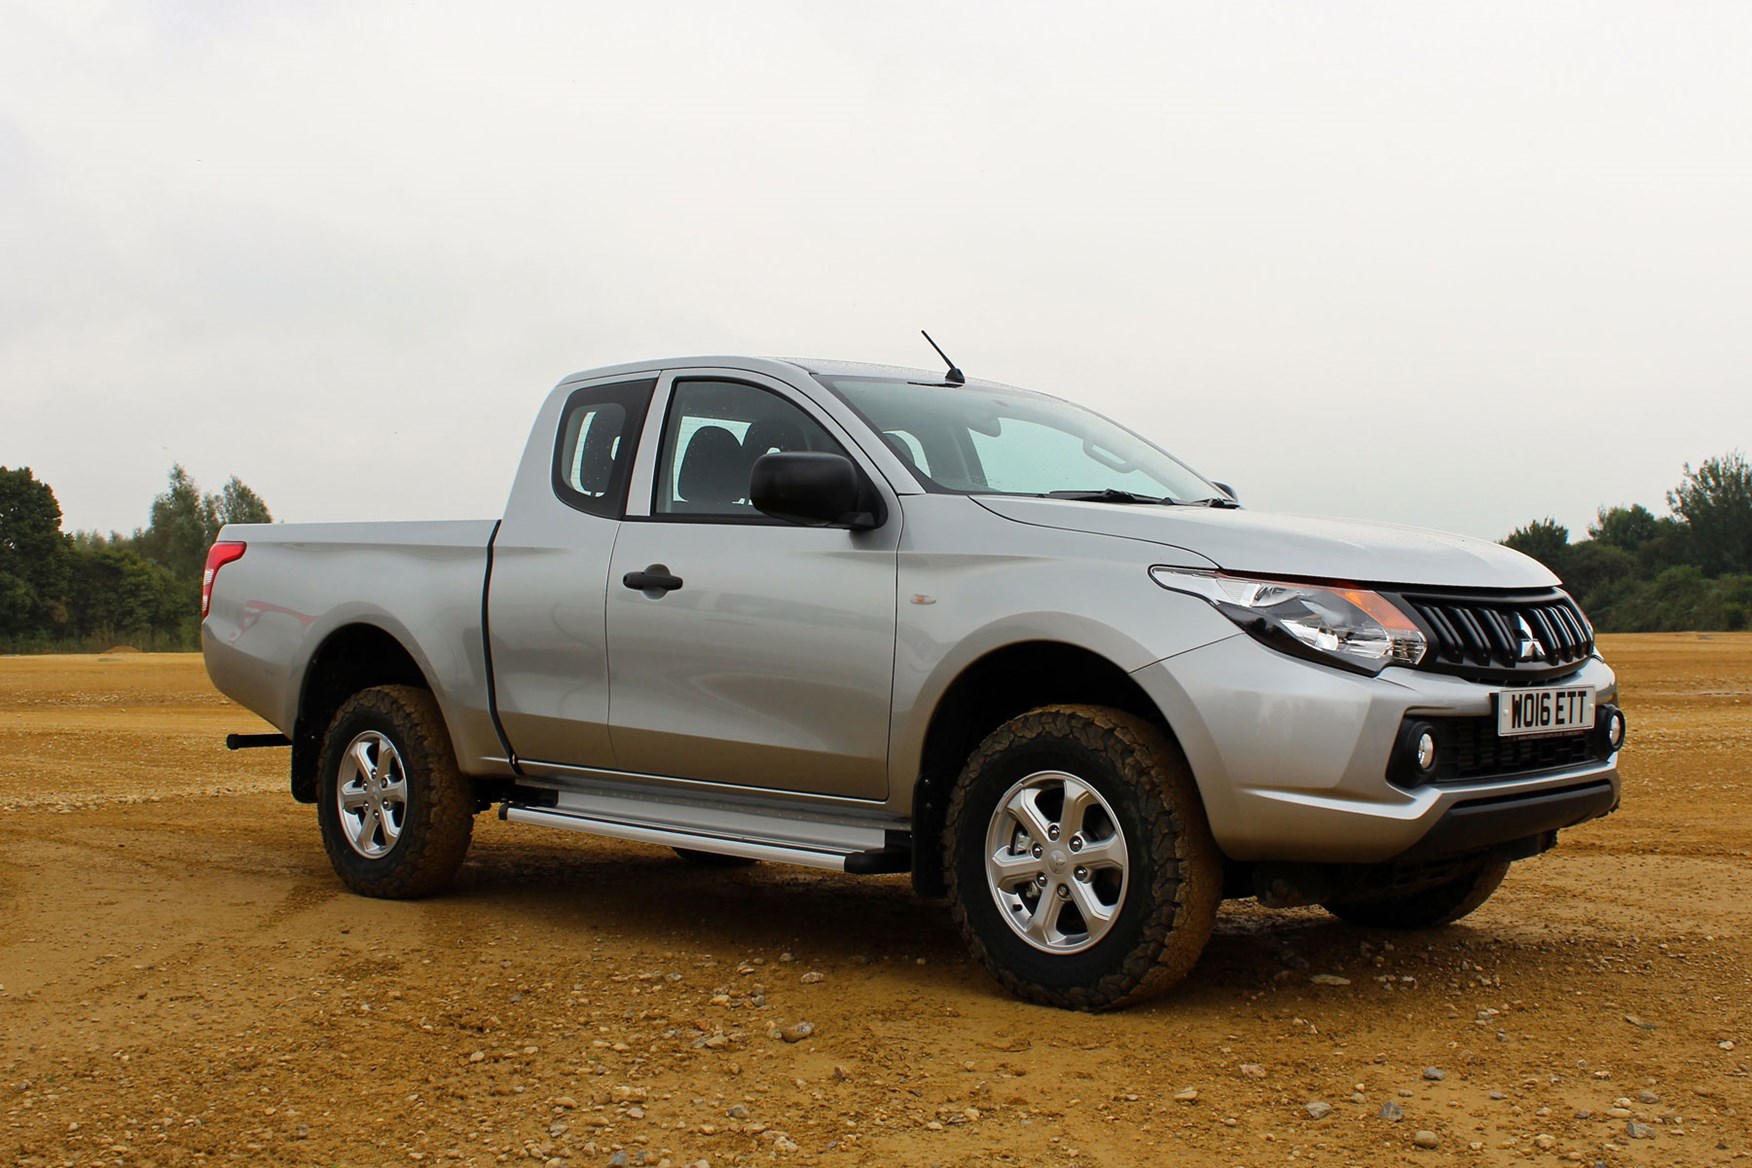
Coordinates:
642 490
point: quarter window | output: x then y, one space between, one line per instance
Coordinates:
594 455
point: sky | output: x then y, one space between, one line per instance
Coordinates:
1455 265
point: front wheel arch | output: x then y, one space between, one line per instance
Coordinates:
991 690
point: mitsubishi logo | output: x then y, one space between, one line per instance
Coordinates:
1527 645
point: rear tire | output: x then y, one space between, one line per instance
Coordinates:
1080 866
1431 908
396 813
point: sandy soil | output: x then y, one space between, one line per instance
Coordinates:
182 981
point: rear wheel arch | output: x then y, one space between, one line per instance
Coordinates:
989 692
352 658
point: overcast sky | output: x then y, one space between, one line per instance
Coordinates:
1459 265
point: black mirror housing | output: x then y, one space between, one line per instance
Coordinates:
813 488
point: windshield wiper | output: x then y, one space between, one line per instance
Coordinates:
1105 495
1110 495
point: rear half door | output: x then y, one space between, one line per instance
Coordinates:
546 596
772 664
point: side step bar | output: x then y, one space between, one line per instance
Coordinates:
842 845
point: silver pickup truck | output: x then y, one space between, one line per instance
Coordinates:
885 620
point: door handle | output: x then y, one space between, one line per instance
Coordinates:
654 581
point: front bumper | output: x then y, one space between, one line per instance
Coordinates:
1291 759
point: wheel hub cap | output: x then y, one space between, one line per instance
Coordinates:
371 794
1056 862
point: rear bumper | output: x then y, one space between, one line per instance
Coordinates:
1291 759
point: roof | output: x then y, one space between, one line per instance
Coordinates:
779 366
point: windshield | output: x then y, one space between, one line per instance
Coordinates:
982 440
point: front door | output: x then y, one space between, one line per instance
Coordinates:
772 663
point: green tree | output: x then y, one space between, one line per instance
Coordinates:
1591 565
33 556
1625 527
1546 540
117 595
184 522
238 504
181 528
1656 542
1715 503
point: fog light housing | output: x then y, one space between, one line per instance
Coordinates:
1417 756
1612 727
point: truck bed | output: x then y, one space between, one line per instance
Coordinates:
298 583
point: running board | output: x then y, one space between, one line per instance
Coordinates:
842 845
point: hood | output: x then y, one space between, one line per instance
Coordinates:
1262 543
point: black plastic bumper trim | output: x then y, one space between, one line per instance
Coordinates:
1474 825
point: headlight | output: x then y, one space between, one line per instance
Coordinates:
1354 626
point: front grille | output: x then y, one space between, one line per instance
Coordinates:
1541 633
1469 749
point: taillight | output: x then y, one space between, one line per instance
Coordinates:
218 556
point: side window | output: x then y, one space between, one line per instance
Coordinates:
715 432
593 457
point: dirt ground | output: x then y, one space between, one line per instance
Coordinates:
183 981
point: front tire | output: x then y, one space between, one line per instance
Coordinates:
396 813
1080 866
1430 908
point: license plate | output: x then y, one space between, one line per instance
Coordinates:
1565 710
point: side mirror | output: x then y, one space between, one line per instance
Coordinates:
815 489
1227 490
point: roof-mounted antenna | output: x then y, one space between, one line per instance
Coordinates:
954 376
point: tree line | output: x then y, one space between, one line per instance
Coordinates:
83 590
1638 572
